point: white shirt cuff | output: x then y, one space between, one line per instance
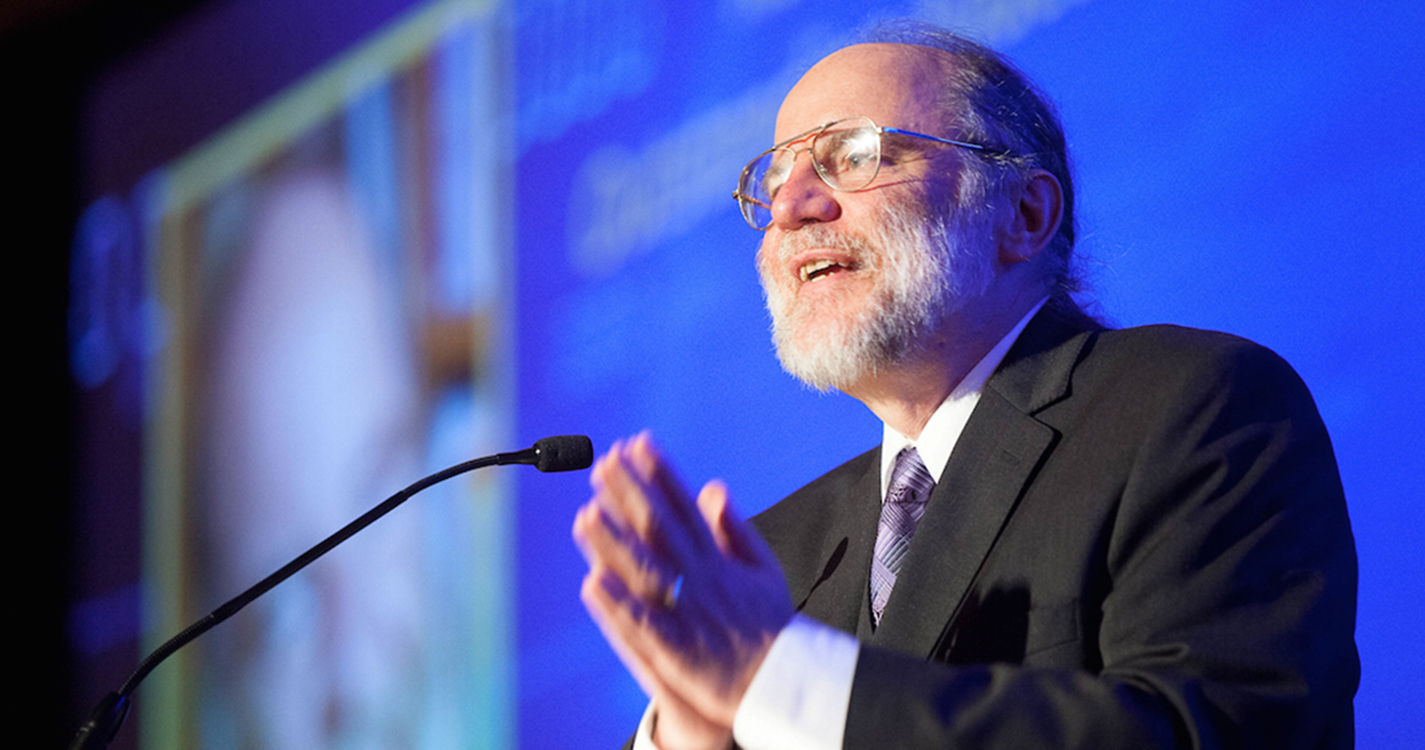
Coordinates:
800 694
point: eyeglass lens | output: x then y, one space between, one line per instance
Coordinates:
846 154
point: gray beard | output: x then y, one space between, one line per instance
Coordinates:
928 268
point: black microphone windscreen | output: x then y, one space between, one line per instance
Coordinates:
563 453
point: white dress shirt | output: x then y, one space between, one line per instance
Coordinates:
800 694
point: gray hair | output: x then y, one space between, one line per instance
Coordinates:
995 104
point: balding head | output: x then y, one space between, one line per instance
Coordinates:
894 84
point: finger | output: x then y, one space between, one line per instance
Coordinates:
601 504
601 465
712 502
598 611
643 455
651 639
625 499
586 521
677 719
638 630
696 652
605 544
656 471
735 537
660 498
622 496
652 515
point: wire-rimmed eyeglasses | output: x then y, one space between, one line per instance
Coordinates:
846 154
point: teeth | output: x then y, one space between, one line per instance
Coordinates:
815 266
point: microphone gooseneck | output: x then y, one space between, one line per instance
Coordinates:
561 453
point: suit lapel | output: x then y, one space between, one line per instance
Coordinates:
837 591
992 464
824 535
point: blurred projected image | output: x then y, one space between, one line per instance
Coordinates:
329 271
312 411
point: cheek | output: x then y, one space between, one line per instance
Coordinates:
939 198
766 254
943 185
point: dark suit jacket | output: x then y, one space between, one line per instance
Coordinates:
1140 540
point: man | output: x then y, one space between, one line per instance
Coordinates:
1070 536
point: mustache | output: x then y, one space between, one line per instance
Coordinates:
808 238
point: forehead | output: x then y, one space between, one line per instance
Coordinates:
897 85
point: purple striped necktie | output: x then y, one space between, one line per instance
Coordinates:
905 504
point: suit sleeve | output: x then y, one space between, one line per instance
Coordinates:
1228 613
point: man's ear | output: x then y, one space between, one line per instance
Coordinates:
1035 221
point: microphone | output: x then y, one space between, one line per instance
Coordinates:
561 453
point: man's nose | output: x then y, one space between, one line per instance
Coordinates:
804 198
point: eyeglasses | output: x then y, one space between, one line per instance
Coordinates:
846 154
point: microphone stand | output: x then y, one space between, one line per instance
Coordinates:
563 453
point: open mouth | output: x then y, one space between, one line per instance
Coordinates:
820 268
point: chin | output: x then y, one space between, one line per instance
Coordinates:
826 351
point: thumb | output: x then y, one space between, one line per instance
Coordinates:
734 537
712 504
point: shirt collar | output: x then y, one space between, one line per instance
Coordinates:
943 430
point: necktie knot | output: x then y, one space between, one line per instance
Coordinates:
910 480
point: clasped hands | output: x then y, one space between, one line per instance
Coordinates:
686 593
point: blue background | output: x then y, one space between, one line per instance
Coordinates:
1253 167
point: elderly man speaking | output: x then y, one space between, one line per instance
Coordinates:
1069 537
